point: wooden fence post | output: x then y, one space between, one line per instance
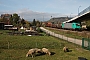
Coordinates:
8 44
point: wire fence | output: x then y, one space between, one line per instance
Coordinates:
86 43
76 41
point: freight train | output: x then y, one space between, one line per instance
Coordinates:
73 25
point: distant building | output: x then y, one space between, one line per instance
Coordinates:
6 18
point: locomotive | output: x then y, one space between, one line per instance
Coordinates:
71 26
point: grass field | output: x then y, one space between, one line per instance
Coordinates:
15 47
68 33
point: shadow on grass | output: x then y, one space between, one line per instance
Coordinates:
52 53
69 50
82 58
41 54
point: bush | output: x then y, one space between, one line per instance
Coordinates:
39 30
88 28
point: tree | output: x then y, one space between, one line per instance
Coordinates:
34 22
23 22
27 25
11 20
15 19
1 20
38 24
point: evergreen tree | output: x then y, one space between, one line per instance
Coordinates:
34 22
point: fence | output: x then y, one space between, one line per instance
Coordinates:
76 41
86 43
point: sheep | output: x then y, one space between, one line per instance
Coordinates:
38 50
65 49
46 51
33 51
30 52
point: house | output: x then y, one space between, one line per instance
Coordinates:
6 18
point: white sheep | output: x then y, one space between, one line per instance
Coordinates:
38 50
30 52
65 49
33 51
45 50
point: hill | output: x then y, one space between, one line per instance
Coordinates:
59 19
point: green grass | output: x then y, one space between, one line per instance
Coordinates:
67 33
15 48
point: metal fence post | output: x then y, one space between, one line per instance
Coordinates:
82 42
88 44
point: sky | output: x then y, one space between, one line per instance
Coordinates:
43 9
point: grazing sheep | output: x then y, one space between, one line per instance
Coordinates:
38 50
30 52
45 50
65 49
33 51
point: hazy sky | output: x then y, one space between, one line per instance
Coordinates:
43 8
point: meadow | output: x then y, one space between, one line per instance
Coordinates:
70 33
15 47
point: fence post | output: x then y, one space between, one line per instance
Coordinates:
82 42
88 44
8 44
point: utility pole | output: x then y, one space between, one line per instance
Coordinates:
78 10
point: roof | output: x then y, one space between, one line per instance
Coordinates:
76 17
82 13
8 25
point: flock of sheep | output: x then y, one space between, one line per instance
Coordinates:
34 51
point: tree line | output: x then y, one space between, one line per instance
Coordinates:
16 21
